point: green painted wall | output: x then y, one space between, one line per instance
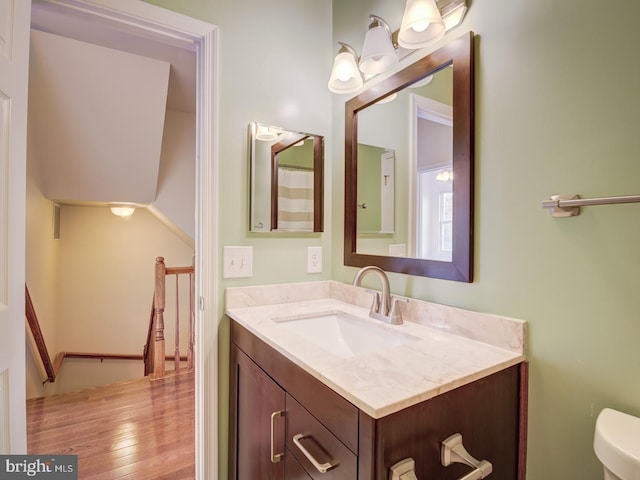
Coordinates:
300 156
556 103
556 112
369 171
274 59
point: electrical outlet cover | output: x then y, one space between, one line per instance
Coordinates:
314 259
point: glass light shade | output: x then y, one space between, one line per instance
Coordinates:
388 99
266 134
378 54
421 25
123 211
421 83
345 76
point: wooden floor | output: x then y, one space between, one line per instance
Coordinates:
131 430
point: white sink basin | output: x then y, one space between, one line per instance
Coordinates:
345 335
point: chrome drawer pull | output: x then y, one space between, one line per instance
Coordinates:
278 456
321 467
453 451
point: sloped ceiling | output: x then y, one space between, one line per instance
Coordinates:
97 117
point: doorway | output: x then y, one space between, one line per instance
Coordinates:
137 20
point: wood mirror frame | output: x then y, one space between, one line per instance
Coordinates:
460 54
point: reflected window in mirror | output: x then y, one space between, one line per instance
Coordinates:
286 193
424 114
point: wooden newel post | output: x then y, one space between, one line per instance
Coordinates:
158 305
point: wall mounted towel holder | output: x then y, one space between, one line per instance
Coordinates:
569 205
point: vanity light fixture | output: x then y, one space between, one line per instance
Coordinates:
266 134
345 76
122 209
378 52
424 22
387 99
422 83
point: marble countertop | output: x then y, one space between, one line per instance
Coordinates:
385 381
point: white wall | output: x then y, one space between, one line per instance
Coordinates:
41 268
98 115
176 195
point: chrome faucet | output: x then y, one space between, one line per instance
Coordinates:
384 307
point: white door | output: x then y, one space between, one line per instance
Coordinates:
14 65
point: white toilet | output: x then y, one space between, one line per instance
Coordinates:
617 445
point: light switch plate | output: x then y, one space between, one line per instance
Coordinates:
314 259
237 262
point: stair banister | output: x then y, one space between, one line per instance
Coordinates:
158 305
154 350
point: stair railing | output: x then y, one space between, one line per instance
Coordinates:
32 320
52 368
154 350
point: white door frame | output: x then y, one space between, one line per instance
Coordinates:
175 29
429 109
14 63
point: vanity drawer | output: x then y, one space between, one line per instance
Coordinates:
292 469
305 432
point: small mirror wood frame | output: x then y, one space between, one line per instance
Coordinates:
460 54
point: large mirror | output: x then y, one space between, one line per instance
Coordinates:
286 193
409 168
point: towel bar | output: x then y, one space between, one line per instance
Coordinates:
569 205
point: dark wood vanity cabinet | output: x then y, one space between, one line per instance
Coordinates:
272 400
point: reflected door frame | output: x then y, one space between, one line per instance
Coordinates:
420 107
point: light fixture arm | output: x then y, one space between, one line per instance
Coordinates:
377 21
345 47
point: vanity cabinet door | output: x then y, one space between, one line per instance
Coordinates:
293 470
260 422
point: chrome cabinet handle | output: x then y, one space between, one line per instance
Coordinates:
453 451
321 467
278 456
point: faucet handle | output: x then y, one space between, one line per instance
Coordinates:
375 304
394 312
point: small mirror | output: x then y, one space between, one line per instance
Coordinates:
286 180
421 118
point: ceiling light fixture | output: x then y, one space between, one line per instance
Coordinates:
444 175
122 210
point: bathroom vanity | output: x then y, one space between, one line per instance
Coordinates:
302 409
